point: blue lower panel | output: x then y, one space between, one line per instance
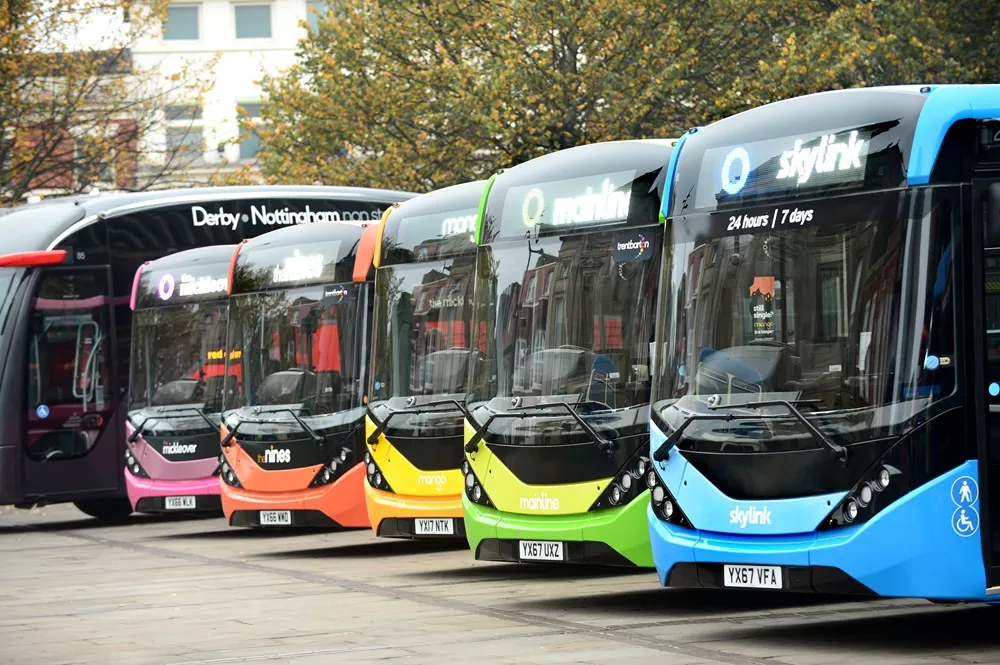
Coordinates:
910 549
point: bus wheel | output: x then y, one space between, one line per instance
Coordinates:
108 510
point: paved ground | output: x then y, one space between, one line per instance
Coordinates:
186 592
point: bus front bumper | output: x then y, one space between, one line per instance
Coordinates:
908 550
614 536
395 515
149 495
338 504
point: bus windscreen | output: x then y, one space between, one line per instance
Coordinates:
303 355
422 342
572 320
843 314
178 362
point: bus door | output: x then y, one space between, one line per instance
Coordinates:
72 437
987 197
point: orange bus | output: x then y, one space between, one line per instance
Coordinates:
293 441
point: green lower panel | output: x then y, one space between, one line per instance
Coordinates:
623 529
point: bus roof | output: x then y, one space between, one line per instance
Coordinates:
325 253
192 275
609 185
42 225
858 139
432 226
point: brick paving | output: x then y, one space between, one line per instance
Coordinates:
195 592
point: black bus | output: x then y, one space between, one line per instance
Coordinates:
66 272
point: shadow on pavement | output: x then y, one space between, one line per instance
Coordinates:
478 571
375 548
226 532
961 627
84 523
679 601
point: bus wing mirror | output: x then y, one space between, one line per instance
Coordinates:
992 204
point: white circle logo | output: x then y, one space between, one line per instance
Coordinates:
532 207
730 184
166 287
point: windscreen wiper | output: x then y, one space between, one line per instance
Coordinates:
838 450
608 446
416 411
226 442
167 416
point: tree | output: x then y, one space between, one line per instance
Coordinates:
423 95
75 110
883 42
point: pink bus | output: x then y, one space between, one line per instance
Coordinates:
178 381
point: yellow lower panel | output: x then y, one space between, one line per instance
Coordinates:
385 505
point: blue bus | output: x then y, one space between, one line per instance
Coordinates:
825 414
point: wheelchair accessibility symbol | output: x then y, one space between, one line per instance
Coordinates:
965 521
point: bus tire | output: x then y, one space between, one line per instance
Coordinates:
107 510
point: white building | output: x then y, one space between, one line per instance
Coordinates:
245 40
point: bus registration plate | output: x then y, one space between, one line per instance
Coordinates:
752 577
179 502
435 527
275 517
541 550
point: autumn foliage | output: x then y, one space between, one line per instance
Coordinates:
421 95
75 109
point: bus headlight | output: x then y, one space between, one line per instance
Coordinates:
630 481
229 476
474 488
664 504
133 466
878 488
333 470
374 477
882 478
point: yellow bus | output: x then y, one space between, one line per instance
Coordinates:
425 269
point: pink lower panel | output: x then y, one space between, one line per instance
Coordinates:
141 488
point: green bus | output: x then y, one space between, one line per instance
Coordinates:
557 420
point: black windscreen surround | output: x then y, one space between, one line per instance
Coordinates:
602 185
422 329
422 336
314 254
566 278
197 274
843 141
843 307
178 376
432 227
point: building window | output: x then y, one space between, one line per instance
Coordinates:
253 21
249 139
182 23
250 145
185 142
181 112
315 12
